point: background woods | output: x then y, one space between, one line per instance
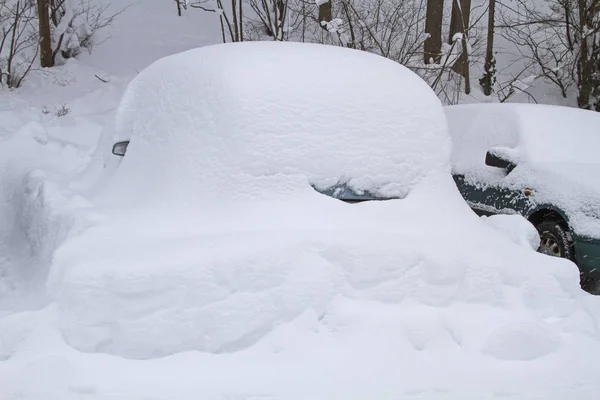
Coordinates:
483 50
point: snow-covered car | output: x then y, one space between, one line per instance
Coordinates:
208 250
542 162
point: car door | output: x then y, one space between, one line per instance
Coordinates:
488 199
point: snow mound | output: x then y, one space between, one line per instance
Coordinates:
212 238
522 342
218 129
516 228
36 213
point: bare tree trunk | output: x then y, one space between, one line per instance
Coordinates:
46 59
235 22
460 8
489 52
567 8
465 66
433 27
585 65
325 12
241 22
459 23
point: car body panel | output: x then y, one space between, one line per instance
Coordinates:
489 199
587 255
486 199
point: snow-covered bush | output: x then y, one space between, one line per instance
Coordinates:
75 24
18 40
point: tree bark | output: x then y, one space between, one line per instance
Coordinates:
46 59
433 27
585 65
456 24
489 52
241 15
459 23
235 21
325 12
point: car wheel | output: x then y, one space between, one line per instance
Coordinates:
554 240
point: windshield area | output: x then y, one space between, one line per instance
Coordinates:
342 191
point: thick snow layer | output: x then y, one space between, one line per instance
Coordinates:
144 285
415 298
555 149
359 351
294 113
212 239
34 214
40 153
541 133
516 228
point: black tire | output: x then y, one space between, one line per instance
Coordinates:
554 240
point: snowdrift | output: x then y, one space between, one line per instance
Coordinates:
213 238
312 298
35 215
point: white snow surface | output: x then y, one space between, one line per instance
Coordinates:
555 149
215 131
195 249
516 228
220 165
272 293
540 133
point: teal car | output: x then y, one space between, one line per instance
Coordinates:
542 162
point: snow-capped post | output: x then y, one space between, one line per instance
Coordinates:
459 23
433 28
46 58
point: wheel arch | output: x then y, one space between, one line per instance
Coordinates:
548 212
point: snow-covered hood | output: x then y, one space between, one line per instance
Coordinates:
585 176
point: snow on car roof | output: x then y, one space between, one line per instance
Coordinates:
215 119
540 133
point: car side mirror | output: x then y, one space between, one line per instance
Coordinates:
495 158
120 148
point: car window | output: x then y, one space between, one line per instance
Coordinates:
343 192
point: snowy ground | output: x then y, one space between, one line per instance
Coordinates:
467 334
